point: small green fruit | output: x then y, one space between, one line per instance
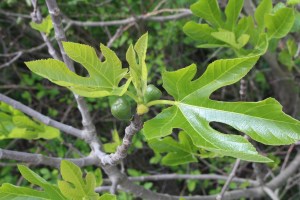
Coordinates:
152 93
121 109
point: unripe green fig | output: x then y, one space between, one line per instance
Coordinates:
121 109
152 93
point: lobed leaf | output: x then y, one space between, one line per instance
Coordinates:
201 33
264 8
45 26
52 191
11 192
280 23
219 33
229 38
210 11
73 185
104 77
138 68
232 12
193 111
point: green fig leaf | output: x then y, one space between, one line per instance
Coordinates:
193 111
104 77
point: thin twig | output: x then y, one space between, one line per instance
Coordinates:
146 17
14 14
229 179
39 159
19 54
33 49
286 159
164 177
36 17
44 119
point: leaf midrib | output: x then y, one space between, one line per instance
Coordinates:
282 24
208 83
209 108
96 71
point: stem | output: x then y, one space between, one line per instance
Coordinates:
131 95
39 159
161 102
42 118
121 152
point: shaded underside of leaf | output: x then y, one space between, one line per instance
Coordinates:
180 152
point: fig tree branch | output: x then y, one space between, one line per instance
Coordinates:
42 118
164 177
121 153
182 13
39 159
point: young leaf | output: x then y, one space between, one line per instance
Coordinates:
138 70
201 33
210 11
280 23
193 111
286 59
111 147
104 77
264 8
229 34
98 177
229 38
11 192
232 12
73 186
52 191
242 26
178 152
291 47
45 27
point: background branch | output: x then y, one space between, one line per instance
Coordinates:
39 159
146 17
42 118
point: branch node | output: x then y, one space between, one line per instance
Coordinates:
55 12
